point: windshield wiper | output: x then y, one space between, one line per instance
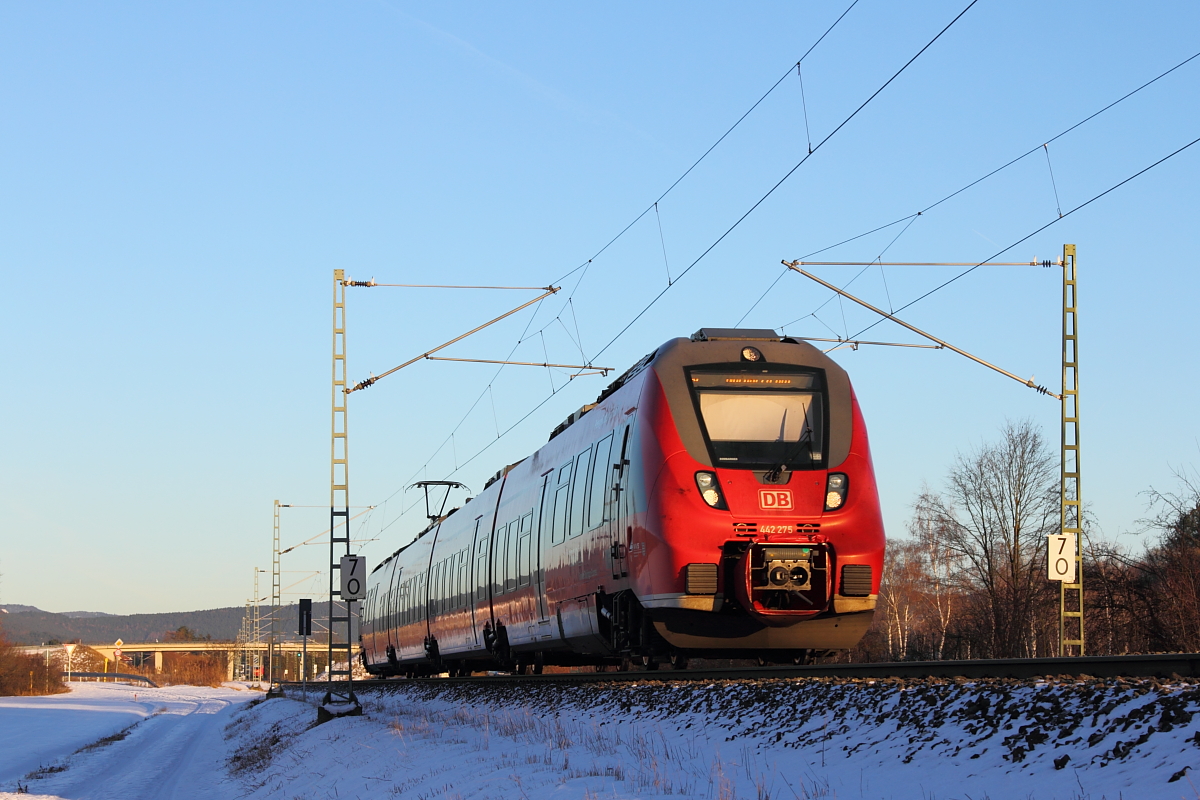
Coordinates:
773 475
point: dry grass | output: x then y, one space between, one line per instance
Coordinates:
23 676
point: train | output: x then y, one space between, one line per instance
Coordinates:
717 501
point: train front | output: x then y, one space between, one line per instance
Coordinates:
759 533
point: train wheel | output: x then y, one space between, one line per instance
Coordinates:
679 661
539 662
650 663
625 664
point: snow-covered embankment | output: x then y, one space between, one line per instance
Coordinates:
746 739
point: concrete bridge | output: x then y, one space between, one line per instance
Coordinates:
289 653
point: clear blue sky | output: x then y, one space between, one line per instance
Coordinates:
177 183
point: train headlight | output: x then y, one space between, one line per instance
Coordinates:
751 354
706 482
835 491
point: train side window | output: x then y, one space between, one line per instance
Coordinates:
578 494
447 583
463 563
403 602
559 532
497 561
510 574
409 593
435 595
600 483
443 585
524 538
481 563
406 599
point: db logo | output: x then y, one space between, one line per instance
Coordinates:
775 499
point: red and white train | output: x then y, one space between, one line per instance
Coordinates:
717 500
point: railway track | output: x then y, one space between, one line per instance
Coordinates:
1172 665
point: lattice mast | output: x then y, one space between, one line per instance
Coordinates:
273 652
256 610
340 644
1070 598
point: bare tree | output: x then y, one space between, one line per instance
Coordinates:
1001 501
941 565
900 597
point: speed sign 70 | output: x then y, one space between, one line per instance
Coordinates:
354 578
1060 557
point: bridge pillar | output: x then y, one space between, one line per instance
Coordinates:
230 657
158 661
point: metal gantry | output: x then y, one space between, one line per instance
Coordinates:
1070 598
339 693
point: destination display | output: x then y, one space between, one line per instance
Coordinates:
748 380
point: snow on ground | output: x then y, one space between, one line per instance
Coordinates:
108 740
759 740
754 740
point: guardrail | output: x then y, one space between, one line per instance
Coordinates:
124 675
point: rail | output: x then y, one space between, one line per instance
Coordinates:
1169 665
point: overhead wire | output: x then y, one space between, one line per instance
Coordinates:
912 217
1025 238
781 181
583 267
714 145
731 228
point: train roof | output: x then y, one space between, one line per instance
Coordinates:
702 335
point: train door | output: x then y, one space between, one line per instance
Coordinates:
619 513
393 605
599 508
477 595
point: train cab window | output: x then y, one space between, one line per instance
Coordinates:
601 471
761 419
578 493
558 530
524 538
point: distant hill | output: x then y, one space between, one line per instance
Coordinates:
30 625
19 609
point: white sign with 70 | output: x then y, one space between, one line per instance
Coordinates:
1060 557
354 578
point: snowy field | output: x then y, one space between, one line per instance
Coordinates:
757 740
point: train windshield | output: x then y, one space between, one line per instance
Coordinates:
762 419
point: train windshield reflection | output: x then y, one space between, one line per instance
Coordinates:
761 420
